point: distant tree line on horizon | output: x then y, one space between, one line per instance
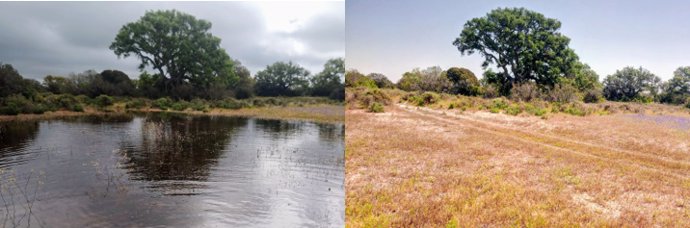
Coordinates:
530 59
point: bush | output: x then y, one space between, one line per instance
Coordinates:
76 108
367 97
199 105
19 104
230 103
499 103
136 103
643 99
527 92
563 93
163 103
490 91
576 109
513 110
180 105
687 102
535 110
428 98
375 107
593 96
103 101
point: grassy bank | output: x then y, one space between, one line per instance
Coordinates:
373 100
56 106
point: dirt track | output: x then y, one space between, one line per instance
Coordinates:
613 170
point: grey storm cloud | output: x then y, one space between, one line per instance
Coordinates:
59 38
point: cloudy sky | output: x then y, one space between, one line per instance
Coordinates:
59 38
392 37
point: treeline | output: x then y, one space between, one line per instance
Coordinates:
627 84
72 92
527 58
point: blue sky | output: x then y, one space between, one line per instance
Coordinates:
392 37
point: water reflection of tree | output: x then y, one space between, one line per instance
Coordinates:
280 127
331 132
176 147
109 118
15 134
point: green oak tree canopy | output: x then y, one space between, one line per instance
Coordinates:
179 47
381 80
329 81
677 89
282 79
523 45
631 83
464 81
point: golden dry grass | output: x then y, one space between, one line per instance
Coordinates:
317 113
419 167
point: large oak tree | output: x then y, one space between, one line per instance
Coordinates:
179 47
523 45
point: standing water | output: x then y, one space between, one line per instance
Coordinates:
171 170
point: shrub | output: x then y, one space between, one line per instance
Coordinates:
370 96
644 99
535 110
20 104
563 93
687 102
76 108
527 92
593 96
136 103
499 103
230 103
163 103
490 91
67 101
103 101
180 105
428 98
576 109
199 105
375 107
513 110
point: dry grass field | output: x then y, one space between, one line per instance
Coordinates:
434 167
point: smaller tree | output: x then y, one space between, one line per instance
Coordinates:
355 79
410 80
429 79
10 80
630 83
677 89
583 78
381 80
464 81
245 84
282 79
58 84
329 81
116 83
434 79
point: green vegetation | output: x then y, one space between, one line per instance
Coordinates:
631 84
375 107
522 44
355 79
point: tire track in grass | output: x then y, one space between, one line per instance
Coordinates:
598 153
